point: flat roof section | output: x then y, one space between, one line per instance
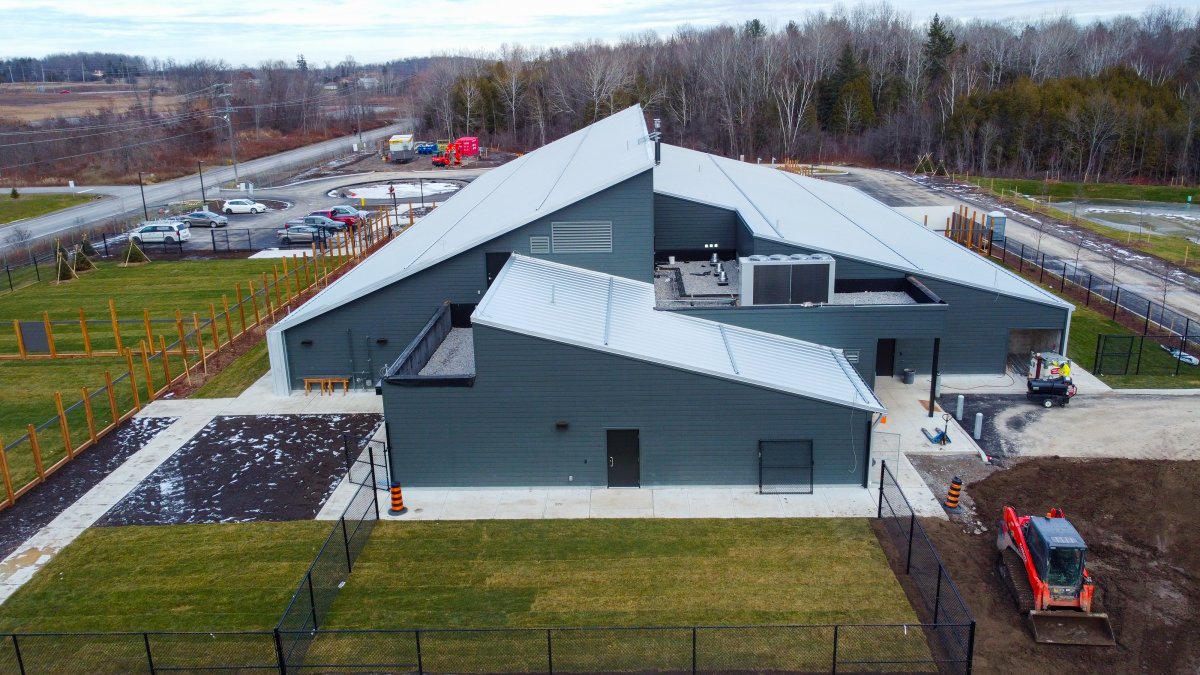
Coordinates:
455 356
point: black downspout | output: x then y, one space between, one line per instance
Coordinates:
933 374
866 473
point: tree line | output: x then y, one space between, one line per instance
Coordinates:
1113 99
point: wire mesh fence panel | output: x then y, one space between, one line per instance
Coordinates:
226 652
484 651
600 650
360 651
22 465
890 649
765 648
99 653
10 664
296 626
76 414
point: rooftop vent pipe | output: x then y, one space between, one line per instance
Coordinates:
656 136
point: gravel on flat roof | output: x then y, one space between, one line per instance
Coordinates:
455 356
872 298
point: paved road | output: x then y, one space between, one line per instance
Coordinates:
125 201
1136 272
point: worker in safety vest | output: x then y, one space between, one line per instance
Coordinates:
1064 371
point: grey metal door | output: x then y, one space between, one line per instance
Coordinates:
785 467
624 458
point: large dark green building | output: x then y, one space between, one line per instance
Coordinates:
670 318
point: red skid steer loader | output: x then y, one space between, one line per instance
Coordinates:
1042 562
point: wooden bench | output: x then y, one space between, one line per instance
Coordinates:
326 384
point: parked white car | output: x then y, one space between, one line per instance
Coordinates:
161 232
243 206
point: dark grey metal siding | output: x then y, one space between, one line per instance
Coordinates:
976 336
681 225
344 340
694 429
839 326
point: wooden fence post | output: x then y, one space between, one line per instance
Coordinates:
87 411
275 277
200 341
287 281
116 325
63 426
162 341
241 306
87 339
228 319
37 452
112 397
133 382
146 369
10 498
146 323
212 323
49 334
20 340
304 261
254 304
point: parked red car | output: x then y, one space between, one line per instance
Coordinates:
343 214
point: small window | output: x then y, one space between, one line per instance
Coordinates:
589 236
539 245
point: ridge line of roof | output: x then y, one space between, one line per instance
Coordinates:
773 226
587 131
797 183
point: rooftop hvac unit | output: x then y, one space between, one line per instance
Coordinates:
786 279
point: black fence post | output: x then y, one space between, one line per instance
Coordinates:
279 653
693 650
835 649
1149 311
1021 260
1100 339
17 652
549 653
882 473
1141 345
36 271
374 481
149 655
937 595
346 542
1087 302
312 599
1182 347
912 522
104 240
970 646
346 451
420 661
1062 283
9 273
212 235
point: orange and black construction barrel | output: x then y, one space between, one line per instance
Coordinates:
951 496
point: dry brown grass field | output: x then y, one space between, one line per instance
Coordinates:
24 102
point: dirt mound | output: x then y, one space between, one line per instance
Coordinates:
1139 518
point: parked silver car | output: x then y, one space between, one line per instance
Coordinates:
204 219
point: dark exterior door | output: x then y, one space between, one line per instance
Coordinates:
495 263
885 357
624 460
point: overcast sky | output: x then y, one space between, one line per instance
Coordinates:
251 31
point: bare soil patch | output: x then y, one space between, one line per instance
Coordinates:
43 504
246 468
1139 519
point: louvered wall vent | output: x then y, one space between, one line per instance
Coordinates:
539 245
582 237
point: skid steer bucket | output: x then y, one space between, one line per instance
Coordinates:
1072 628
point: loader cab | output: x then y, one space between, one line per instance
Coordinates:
1058 553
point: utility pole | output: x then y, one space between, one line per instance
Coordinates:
203 197
142 189
227 111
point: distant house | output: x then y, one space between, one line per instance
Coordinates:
561 321
368 82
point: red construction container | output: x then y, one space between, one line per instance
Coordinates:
468 146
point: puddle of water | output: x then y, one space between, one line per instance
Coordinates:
1139 217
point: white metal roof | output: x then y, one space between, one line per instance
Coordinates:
831 218
503 199
616 315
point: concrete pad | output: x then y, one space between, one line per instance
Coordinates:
622 503
520 504
568 503
669 503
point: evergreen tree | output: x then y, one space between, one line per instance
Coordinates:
939 46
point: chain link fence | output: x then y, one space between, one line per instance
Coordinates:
949 622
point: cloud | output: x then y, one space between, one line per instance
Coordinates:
377 30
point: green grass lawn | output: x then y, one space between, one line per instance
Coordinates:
1066 190
33 205
237 376
186 577
620 573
